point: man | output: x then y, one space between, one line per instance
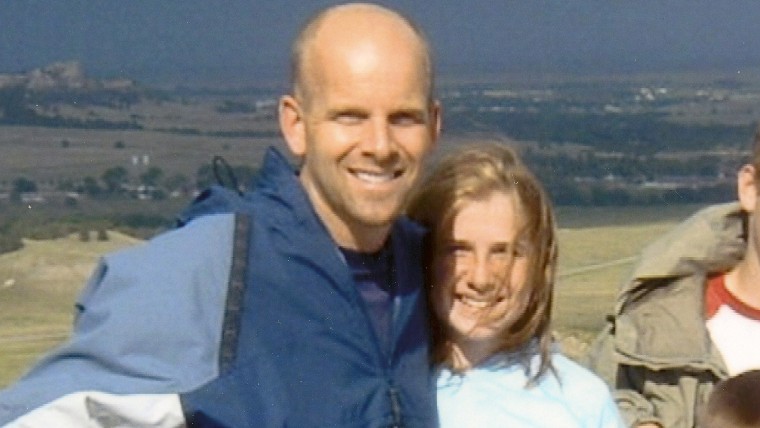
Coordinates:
689 316
298 304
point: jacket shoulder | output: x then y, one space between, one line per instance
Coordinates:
710 240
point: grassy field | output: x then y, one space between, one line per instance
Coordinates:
38 153
598 247
38 284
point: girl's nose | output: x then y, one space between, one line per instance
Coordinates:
481 278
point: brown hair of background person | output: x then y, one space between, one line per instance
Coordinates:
734 403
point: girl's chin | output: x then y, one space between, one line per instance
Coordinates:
473 333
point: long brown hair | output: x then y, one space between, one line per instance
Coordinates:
474 172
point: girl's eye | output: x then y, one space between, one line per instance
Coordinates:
520 250
503 250
457 250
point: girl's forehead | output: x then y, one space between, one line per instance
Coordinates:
497 215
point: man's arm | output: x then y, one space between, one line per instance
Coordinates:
636 410
669 398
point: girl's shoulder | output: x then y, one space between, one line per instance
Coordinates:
572 374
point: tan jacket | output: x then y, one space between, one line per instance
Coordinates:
656 352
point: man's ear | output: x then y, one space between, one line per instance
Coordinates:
747 188
435 122
292 124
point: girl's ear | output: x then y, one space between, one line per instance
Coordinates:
747 188
292 124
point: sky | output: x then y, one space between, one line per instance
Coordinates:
186 41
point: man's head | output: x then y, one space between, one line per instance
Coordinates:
361 118
749 177
299 55
748 186
755 160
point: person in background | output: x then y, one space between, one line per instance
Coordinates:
734 403
689 314
492 257
298 304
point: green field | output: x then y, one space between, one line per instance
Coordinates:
39 283
598 247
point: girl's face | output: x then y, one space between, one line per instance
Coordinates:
480 267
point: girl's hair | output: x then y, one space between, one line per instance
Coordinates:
472 173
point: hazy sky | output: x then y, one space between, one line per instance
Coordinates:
156 40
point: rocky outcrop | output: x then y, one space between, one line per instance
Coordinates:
68 75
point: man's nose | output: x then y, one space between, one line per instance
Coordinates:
378 141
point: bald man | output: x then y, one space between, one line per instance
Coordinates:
298 304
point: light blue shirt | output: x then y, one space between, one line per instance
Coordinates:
494 394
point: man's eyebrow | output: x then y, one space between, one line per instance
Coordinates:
351 110
409 112
346 107
412 108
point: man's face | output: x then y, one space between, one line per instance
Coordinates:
367 127
749 198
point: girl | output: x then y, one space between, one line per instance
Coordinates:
492 256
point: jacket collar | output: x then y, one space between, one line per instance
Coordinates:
279 185
712 240
660 323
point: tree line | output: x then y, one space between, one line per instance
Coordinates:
152 183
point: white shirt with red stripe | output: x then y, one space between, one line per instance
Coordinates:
734 327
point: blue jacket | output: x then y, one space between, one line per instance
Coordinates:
262 327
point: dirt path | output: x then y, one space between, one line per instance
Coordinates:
597 266
31 338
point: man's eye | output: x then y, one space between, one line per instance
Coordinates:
406 119
348 118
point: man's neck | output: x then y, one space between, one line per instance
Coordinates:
743 281
363 239
348 233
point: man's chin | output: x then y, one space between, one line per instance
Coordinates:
379 220
370 213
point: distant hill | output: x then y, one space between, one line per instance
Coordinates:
67 75
34 97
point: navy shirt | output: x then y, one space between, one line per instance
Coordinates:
375 280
